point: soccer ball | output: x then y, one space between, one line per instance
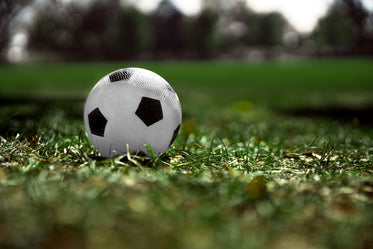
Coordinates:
134 108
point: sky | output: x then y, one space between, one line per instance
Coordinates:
302 14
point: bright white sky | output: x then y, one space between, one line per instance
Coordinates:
302 14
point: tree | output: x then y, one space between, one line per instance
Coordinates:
73 29
266 29
334 31
128 34
169 30
345 29
8 10
203 36
244 27
358 15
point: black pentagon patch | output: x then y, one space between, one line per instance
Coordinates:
149 111
124 74
97 122
176 131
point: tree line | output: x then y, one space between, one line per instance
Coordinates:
109 30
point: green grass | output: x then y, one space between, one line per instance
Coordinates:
259 80
248 170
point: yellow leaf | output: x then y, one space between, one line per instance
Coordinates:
190 128
257 188
243 106
2 174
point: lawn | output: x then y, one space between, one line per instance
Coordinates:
270 155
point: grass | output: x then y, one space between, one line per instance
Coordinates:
250 169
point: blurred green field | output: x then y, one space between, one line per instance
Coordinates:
270 155
304 82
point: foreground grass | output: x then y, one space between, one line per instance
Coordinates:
240 175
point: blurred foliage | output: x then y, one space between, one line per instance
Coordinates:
267 29
334 30
114 30
75 29
124 32
8 9
251 29
128 33
205 40
360 18
168 26
346 29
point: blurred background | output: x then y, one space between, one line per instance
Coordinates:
82 30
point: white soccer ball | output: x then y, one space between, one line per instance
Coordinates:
132 107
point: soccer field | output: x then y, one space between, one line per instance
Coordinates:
270 155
